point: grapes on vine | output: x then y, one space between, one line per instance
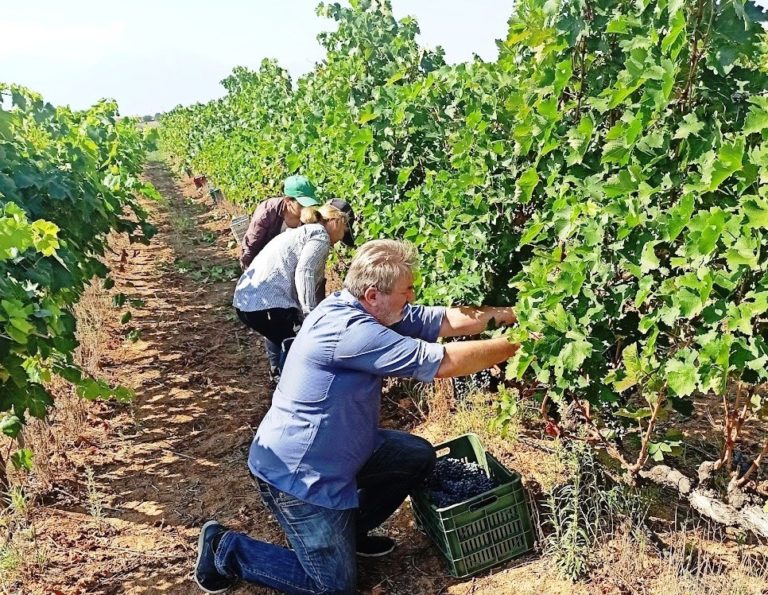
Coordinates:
603 174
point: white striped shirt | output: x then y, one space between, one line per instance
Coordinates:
286 273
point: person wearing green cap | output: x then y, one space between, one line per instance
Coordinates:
267 222
271 214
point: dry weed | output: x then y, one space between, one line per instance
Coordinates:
21 553
438 399
690 568
54 435
67 420
95 505
693 564
93 312
448 418
624 558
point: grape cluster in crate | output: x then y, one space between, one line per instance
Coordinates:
453 481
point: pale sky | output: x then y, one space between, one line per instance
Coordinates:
153 55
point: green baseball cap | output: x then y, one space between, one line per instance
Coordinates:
300 188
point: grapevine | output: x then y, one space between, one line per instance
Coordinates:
606 174
66 180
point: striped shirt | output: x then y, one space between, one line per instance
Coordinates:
286 273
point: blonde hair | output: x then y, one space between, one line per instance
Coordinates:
321 214
380 263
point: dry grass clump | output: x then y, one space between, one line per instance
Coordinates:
93 312
688 566
21 551
478 413
447 417
49 439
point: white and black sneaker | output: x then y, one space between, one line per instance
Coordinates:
274 375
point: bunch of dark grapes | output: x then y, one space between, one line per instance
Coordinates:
741 462
453 481
464 386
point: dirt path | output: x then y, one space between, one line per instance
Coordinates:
175 458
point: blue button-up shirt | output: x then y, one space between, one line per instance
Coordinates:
323 423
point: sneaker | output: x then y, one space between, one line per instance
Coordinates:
374 546
274 375
206 576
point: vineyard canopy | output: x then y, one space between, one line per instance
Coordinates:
608 173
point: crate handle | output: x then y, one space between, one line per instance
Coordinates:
484 502
446 450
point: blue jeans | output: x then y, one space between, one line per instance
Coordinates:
323 540
273 353
276 353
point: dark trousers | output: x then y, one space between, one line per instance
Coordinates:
275 325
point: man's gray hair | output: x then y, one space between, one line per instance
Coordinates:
380 263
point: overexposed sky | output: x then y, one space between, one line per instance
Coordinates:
153 55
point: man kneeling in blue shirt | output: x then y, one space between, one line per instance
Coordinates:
325 469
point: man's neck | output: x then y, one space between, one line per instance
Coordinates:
367 306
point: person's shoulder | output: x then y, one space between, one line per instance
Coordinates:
314 230
270 204
333 301
342 302
345 306
331 310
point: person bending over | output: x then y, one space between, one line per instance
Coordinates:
272 214
280 287
269 219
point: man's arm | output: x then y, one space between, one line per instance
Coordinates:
467 357
466 320
370 347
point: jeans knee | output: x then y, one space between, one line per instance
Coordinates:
423 455
430 459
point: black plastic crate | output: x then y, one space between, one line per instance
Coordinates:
483 531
